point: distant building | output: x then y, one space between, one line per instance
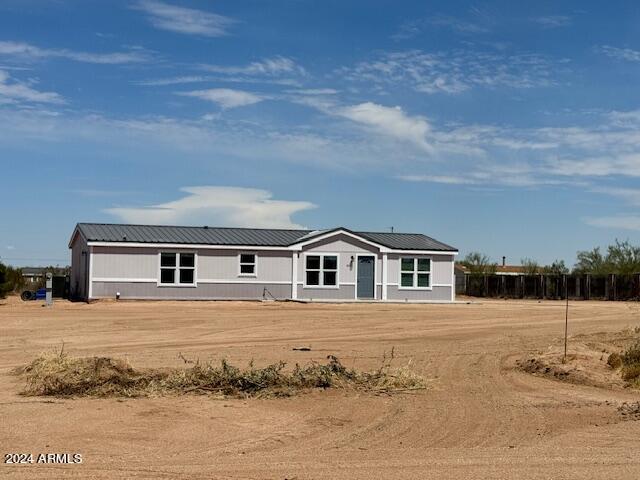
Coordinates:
35 274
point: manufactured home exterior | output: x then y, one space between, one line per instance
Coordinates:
207 263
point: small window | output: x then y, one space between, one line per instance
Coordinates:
177 268
248 264
321 270
415 272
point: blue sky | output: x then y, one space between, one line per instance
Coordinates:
512 128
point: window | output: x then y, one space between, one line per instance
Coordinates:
177 268
415 272
247 264
321 271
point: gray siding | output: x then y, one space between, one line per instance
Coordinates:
142 263
133 272
204 291
441 294
346 247
345 292
441 268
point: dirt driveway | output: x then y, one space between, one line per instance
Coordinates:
479 418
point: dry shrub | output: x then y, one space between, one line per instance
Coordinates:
614 361
631 364
61 375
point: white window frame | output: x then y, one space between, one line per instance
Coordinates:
177 269
321 270
255 265
415 272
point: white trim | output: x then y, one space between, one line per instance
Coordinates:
453 280
304 243
415 273
423 252
348 283
90 292
392 284
176 269
295 247
186 246
375 271
255 264
385 270
243 280
294 275
129 280
321 270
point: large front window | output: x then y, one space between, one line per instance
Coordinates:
321 271
177 268
415 272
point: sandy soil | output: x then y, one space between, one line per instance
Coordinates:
481 417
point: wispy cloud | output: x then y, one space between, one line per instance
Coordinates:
274 66
621 222
414 27
626 54
454 72
184 20
553 21
14 91
218 206
225 97
28 51
390 121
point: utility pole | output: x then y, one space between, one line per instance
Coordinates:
566 319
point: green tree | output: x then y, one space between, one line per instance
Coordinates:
478 264
530 266
621 257
556 268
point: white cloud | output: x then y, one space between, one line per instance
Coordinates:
160 82
627 54
553 21
446 179
273 66
14 91
622 222
630 195
225 97
10 247
391 121
25 50
184 20
454 71
313 91
218 206
415 27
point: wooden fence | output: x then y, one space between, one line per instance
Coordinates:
585 287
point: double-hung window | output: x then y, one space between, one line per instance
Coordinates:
177 268
415 272
321 270
247 266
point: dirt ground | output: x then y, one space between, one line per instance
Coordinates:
480 418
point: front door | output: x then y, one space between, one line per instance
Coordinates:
366 278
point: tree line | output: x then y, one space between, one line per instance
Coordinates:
621 258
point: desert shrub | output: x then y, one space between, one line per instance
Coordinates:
631 363
614 361
61 375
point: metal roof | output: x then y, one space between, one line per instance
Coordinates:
263 237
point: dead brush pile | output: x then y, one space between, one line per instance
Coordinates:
58 374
